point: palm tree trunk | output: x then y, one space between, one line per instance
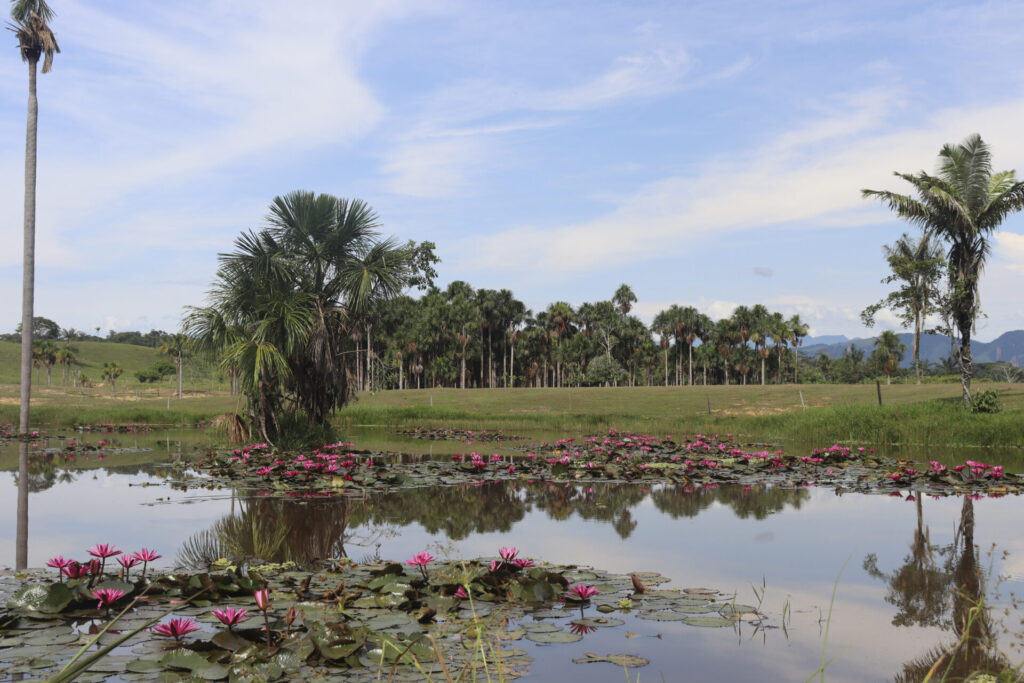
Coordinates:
27 305
966 368
917 347
666 367
690 348
181 365
762 371
512 364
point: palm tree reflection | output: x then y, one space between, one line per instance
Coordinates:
944 587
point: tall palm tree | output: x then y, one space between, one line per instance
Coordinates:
963 204
798 329
760 333
35 41
919 265
175 346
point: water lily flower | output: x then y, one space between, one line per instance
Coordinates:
76 570
523 563
107 597
262 599
580 592
263 602
176 628
420 560
460 592
127 562
231 616
103 551
508 554
59 563
146 556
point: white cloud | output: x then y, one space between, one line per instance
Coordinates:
1009 248
813 181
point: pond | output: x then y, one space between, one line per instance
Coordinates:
891 560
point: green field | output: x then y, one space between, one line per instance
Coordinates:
910 414
924 415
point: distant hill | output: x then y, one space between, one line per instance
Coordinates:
934 347
826 340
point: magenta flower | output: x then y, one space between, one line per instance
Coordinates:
263 602
581 592
176 628
107 597
127 562
76 570
460 592
103 551
420 560
508 554
231 616
146 556
523 563
59 563
262 599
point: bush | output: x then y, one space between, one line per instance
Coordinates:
604 371
985 402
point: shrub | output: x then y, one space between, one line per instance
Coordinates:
985 402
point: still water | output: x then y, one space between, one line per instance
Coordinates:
896 559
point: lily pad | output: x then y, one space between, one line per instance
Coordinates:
708 622
631 661
554 637
662 616
143 666
38 598
599 622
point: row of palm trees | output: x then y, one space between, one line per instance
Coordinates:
464 337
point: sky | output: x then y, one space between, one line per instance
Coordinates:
705 153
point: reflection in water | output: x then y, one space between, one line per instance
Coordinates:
21 540
283 530
306 531
948 593
756 501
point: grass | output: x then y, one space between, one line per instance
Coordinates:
91 357
926 415
910 415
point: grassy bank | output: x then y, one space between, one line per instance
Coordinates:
925 415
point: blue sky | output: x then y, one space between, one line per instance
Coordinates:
708 154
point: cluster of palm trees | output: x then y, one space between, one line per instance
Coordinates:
449 338
962 204
291 304
46 354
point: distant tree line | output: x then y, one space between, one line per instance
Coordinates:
48 330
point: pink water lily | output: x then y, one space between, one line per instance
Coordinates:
420 560
460 592
145 556
231 616
107 597
127 562
59 563
176 628
581 592
76 570
263 602
523 563
103 551
508 554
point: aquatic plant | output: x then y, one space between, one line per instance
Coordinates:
176 628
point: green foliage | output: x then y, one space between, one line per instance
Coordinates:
604 371
986 401
156 372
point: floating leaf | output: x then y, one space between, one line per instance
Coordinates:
631 661
143 666
707 622
599 622
554 637
45 599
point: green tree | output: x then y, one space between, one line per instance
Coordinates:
888 353
918 266
285 301
111 371
962 204
175 346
